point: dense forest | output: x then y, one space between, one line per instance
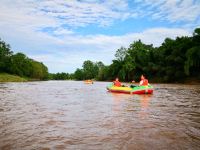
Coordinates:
19 64
174 61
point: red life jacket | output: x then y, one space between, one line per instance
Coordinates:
117 83
145 82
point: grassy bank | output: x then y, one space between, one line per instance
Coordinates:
4 77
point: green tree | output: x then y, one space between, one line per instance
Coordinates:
192 64
78 74
39 70
20 65
5 54
139 57
61 76
90 69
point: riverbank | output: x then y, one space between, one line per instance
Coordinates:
4 77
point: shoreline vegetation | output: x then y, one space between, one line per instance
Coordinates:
175 61
5 77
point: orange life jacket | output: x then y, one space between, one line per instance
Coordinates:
117 83
145 82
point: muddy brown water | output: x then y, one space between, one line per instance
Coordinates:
73 115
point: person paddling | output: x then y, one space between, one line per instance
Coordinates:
143 82
117 83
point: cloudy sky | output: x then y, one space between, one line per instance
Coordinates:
64 33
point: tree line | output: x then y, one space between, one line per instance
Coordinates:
173 61
90 70
19 64
60 76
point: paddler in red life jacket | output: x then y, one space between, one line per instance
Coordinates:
117 83
143 82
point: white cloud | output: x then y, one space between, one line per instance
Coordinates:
19 14
36 15
62 31
62 14
68 53
23 24
172 10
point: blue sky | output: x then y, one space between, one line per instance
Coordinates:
64 33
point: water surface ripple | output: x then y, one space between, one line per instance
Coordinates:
73 115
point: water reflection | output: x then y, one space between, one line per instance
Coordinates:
118 101
144 102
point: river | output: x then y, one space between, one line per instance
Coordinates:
72 115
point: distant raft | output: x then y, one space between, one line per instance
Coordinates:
131 90
88 82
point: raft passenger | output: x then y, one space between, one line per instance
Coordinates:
117 83
143 82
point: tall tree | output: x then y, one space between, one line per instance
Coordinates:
78 74
90 69
20 65
5 54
